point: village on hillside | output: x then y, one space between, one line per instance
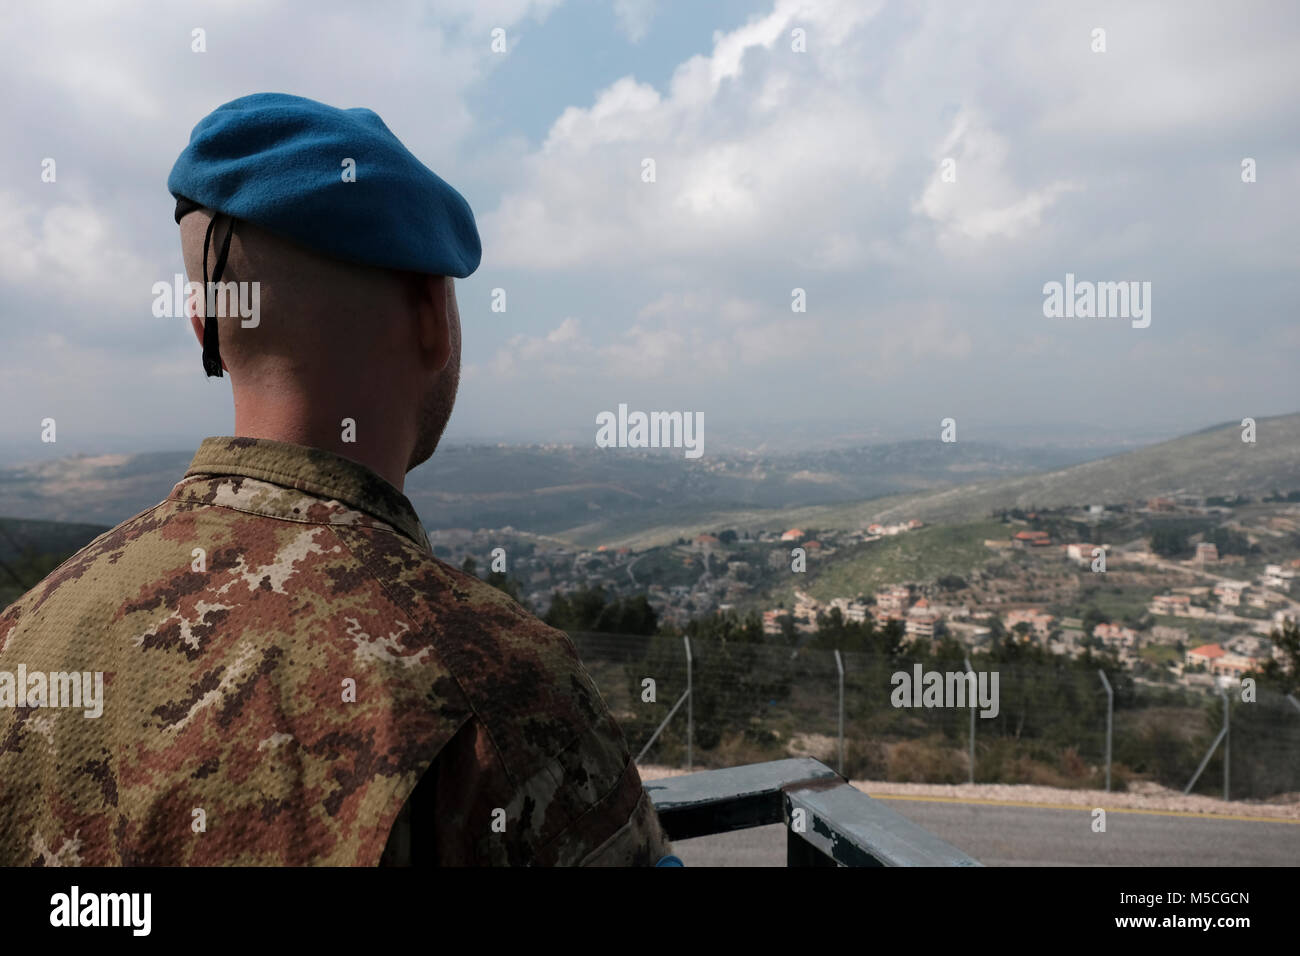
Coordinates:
1181 588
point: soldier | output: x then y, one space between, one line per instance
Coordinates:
289 675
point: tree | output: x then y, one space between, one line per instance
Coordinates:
727 626
1284 676
469 565
1091 618
632 615
1228 541
864 637
590 609
1169 543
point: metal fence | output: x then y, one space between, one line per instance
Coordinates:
707 704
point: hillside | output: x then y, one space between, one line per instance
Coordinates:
29 550
1210 462
575 492
588 497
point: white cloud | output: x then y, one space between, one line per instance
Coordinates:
68 251
730 168
633 18
981 201
671 339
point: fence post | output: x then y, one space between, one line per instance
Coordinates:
1110 712
662 724
690 708
839 663
973 704
1227 741
1223 732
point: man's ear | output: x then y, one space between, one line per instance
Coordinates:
433 320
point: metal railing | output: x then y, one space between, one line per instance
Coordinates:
828 822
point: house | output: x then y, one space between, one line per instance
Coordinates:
1113 635
1162 634
1207 553
1031 539
1040 623
892 602
1277 577
794 534
1175 605
1221 662
853 610
1229 593
1205 655
1082 552
921 620
1264 600
706 542
805 606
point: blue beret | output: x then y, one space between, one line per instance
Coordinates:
277 161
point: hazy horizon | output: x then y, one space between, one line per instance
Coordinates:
790 439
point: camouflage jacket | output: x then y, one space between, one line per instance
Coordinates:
283 660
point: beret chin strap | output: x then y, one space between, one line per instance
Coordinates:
211 345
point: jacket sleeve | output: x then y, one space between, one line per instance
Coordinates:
623 830
464 810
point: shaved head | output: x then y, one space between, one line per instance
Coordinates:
334 340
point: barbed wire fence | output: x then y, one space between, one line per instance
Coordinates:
749 703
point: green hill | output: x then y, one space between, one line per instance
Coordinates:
1210 462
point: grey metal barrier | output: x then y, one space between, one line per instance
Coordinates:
828 821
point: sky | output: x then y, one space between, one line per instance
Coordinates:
797 145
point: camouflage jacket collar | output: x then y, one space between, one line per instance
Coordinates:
313 471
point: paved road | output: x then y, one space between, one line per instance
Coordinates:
1005 835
